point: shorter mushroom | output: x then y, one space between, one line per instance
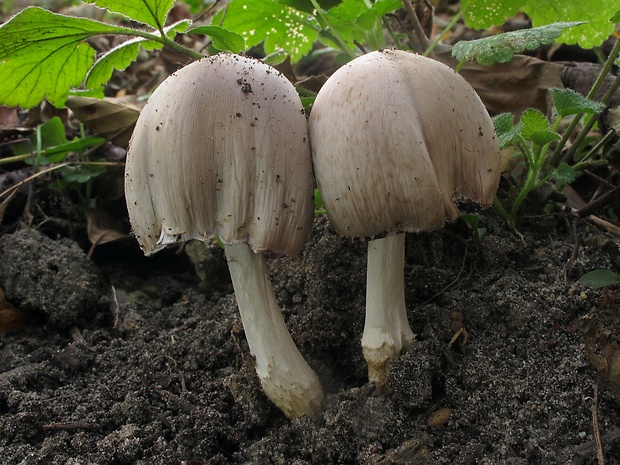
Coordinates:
221 148
396 137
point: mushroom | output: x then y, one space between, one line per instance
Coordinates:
221 149
396 138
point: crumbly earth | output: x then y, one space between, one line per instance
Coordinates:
129 360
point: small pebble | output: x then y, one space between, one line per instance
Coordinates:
440 417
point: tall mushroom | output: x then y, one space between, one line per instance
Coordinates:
221 148
396 137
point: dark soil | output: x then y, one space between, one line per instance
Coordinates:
128 360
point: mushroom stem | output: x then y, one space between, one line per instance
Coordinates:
386 330
284 374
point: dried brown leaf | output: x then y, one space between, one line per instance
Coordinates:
113 118
101 227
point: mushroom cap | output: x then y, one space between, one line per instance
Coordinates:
396 138
221 148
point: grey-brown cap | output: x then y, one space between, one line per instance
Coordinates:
221 148
396 138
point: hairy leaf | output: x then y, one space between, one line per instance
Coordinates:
502 47
43 55
568 102
223 40
506 130
536 127
564 174
151 12
279 26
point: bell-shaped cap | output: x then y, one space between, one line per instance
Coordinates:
221 148
396 138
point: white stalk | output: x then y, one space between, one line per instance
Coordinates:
284 374
386 330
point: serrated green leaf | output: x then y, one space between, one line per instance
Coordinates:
506 130
43 55
533 120
564 174
616 17
278 26
595 13
151 12
568 102
502 47
482 14
599 278
536 127
223 40
121 56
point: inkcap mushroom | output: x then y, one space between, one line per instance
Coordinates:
396 138
221 149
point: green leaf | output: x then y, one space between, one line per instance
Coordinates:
223 40
599 278
595 13
354 19
278 26
121 56
482 14
564 174
43 55
53 142
81 173
502 47
536 127
506 130
151 12
568 102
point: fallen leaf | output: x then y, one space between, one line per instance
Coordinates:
113 118
101 227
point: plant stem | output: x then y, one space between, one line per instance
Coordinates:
284 374
386 329
595 87
605 70
443 33
343 45
584 132
164 40
585 161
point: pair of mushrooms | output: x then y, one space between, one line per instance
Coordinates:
223 148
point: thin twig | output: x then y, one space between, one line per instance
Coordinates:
417 26
597 429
